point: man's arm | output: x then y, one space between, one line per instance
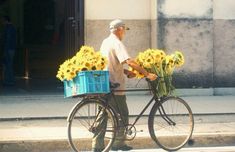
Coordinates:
135 66
129 74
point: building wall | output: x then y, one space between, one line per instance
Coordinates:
202 29
137 16
224 43
188 26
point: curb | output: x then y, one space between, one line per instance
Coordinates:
228 91
138 143
214 140
131 116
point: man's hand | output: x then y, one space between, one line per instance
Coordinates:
151 76
134 65
129 74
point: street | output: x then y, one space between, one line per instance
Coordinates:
194 149
49 134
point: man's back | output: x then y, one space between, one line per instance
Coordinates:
116 53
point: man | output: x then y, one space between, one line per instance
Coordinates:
117 55
9 42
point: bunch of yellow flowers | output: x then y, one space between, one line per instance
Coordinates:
156 61
85 59
148 59
172 61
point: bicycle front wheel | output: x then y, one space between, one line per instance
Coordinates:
171 123
91 124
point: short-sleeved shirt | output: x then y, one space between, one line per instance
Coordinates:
117 54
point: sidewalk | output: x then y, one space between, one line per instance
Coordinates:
56 106
38 122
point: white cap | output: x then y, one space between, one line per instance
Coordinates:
117 23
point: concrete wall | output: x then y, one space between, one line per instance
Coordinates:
204 31
224 43
136 14
188 26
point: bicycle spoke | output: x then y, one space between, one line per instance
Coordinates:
89 119
172 118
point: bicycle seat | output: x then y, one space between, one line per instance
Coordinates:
114 85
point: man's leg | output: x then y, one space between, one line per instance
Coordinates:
100 127
120 106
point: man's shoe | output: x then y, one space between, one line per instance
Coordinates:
123 148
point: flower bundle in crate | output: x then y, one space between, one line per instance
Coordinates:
158 62
84 73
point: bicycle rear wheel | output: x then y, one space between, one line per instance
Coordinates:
84 122
171 123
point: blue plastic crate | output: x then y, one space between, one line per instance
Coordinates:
87 82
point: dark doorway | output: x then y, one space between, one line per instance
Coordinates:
53 31
74 26
49 32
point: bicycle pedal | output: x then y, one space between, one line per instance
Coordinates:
139 131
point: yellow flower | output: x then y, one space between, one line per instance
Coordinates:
138 75
85 59
86 50
147 65
150 60
157 57
100 65
60 76
88 65
178 58
156 61
169 60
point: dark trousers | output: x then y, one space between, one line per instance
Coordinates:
120 106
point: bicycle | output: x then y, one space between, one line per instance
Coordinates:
170 121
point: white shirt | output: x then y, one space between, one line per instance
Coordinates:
116 53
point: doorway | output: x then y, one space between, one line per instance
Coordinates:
48 32
53 31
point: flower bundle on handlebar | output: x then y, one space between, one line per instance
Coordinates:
156 61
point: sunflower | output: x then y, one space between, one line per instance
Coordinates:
179 58
156 61
169 60
137 74
85 59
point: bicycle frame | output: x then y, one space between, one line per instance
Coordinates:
154 98
104 99
144 109
158 108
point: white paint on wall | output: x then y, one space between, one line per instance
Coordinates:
124 9
186 8
224 9
153 6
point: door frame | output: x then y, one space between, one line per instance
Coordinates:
74 26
